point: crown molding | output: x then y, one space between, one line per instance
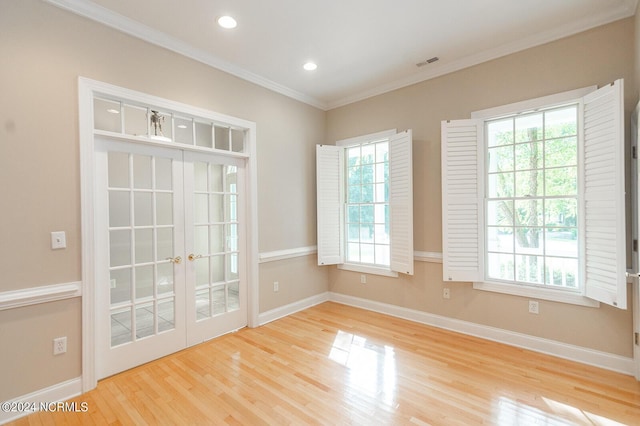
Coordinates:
133 28
138 30
626 10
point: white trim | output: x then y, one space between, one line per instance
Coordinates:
368 269
56 393
41 294
292 308
273 256
427 256
139 30
370 138
540 293
583 355
548 101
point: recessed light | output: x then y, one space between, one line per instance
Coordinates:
181 126
310 66
227 22
113 111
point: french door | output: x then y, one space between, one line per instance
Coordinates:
170 251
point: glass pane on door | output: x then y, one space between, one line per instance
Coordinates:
141 245
215 227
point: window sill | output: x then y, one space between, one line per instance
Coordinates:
538 293
366 269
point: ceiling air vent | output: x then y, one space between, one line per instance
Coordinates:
427 62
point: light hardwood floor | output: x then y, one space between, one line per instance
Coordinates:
333 364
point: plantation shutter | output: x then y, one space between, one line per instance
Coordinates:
329 182
604 217
401 202
462 200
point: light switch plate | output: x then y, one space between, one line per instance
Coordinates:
58 240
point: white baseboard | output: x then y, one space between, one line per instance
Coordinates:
300 305
56 393
551 347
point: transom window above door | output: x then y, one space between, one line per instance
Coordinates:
116 117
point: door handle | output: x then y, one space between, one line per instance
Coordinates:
175 260
193 257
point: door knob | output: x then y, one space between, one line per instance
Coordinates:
175 260
193 257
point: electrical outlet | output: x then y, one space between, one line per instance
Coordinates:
59 345
363 279
533 307
276 286
58 240
446 293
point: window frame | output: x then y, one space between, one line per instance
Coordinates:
376 269
331 205
601 149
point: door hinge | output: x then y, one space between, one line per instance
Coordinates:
634 152
635 245
637 338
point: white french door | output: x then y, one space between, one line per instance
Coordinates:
170 251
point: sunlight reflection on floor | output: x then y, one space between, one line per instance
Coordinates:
372 368
510 412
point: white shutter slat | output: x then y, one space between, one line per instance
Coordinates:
329 182
401 202
462 202
604 220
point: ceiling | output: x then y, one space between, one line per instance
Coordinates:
362 47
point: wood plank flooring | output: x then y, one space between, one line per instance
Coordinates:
336 365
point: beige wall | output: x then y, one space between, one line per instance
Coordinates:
43 52
597 57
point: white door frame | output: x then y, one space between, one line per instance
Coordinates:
87 88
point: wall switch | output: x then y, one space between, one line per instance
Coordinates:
363 279
446 293
58 240
59 345
533 307
276 286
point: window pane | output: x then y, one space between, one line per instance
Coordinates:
529 212
368 193
354 175
382 152
368 173
120 285
164 208
367 253
368 154
562 181
561 212
381 213
561 152
382 254
381 234
355 194
562 272
529 241
561 242
529 184
366 214
501 159
500 213
353 214
164 243
500 132
529 269
217 173
353 232
500 185
382 193
561 122
529 156
119 208
353 156
500 239
353 252
529 128
500 266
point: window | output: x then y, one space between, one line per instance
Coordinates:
365 203
533 198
